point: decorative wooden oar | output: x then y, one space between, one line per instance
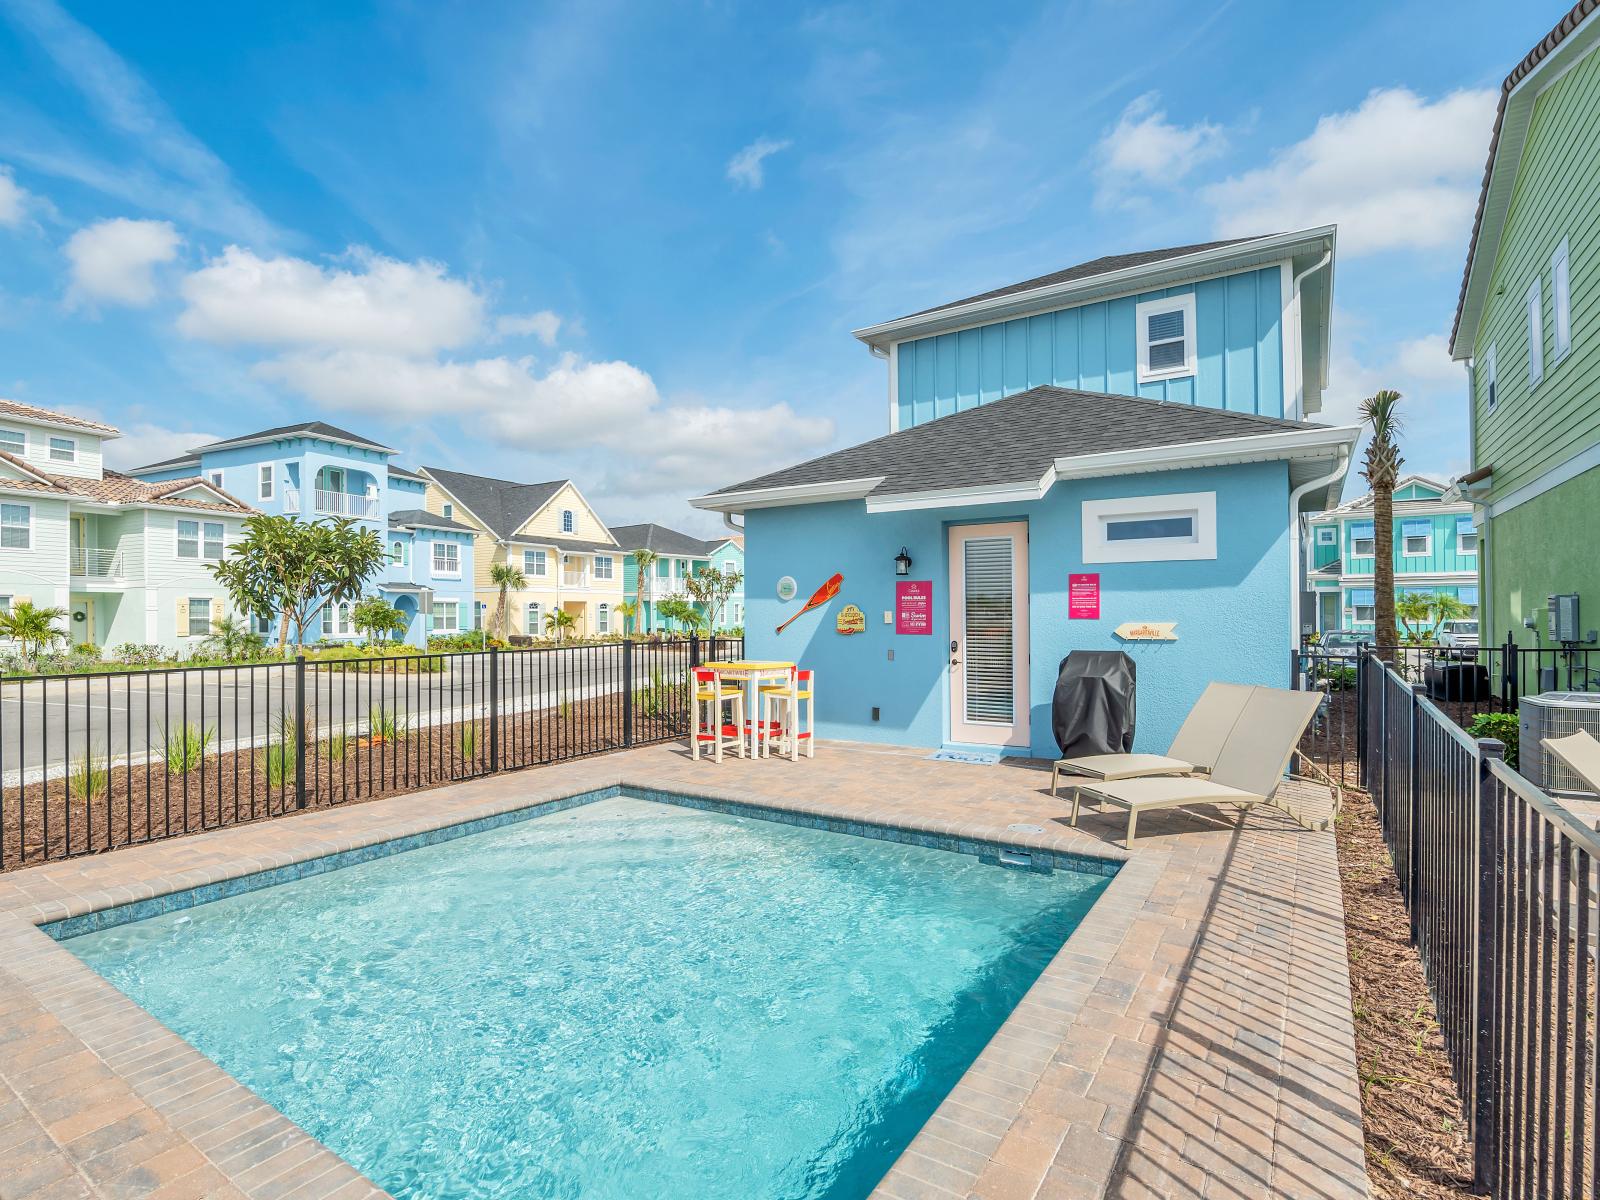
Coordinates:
818 598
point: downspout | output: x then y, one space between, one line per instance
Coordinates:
1295 551
1299 340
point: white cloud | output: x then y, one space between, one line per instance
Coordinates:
746 168
115 260
1399 172
1144 149
146 443
13 201
1427 360
544 325
381 304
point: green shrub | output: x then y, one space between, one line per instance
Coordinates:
282 752
383 724
1340 678
337 743
89 776
1497 725
467 741
186 749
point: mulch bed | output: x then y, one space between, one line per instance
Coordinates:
1417 1141
140 803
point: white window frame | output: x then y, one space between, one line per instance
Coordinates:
602 619
730 566
1327 535
532 557
1142 314
1405 543
1098 514
1492 385
71 455
202 626
214 478
21 436
533 618
442 556
27 508
1355 545
207 540
605 567
440 607
1534 304
400 556
569 521
181 539
5 603
449 511
1561 299
266 481
1371 610
1471 532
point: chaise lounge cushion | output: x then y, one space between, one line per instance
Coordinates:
1125 766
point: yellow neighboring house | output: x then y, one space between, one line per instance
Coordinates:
547 530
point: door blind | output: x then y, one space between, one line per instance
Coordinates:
988 625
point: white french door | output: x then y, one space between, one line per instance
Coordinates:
989 634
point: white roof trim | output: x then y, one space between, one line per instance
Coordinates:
1059 295
1293 443
794 493
989 493
301 435
1503 174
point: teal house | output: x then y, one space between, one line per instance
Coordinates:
1435 553
1113 456
677 557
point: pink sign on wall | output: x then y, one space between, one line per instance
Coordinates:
913 606
1083 597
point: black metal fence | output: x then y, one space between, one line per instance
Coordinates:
1499 882
92 762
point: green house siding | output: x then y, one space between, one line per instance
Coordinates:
1533 429
1532 556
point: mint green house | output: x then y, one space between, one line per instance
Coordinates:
1528 326
678 556
1435 553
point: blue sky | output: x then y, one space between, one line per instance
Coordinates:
627 243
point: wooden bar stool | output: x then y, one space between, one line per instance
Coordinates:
711 696
783 703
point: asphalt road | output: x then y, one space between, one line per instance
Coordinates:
50 723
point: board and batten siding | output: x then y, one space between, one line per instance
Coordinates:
1093 347
1444 557
1532 430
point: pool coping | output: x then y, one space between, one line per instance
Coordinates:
258 1152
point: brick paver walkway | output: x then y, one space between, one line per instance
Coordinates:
1192 1039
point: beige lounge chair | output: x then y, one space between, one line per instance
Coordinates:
1247 771
1581 753
1195 748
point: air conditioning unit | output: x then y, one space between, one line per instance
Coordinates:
1554 715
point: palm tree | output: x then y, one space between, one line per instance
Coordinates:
31 627
645 560
628 610
507 578
1449 608
1382 469
557 621
1415 610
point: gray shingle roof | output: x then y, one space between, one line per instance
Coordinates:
421 516
301 429
663 540
1087 270
395 469
1015 439
501 504
183 460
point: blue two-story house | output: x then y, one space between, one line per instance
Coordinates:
313 470
1112 456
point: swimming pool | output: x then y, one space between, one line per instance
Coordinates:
621 999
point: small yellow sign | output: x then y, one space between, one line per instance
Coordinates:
851 620
1148 631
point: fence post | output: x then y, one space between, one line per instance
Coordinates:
300 726
1485 980
694 649
1361 717
627 692
1508 672
494 708
1414 804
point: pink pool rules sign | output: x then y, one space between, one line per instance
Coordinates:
913 606
1083 597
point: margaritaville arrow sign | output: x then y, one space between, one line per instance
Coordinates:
1148 631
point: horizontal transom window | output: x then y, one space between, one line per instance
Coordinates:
1150 528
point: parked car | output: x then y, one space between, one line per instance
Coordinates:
1341 644
1459 638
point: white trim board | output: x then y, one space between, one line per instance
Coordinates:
1579 464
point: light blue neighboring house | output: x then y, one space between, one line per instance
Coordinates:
678 556
1087 460
314 471
1435 553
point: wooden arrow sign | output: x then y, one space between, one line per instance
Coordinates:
1147 631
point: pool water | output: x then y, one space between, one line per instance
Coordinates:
624 999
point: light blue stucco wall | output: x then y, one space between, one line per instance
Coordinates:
1232 612
1239 352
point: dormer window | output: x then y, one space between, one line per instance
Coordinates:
449 511
567 522
63 450
1166 338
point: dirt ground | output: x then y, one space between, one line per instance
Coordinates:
1417 1140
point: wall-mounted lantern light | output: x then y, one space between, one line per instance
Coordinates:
902 562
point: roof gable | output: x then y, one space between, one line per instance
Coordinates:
566 494
663 540
19 411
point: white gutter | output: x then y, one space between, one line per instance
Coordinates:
794 493
1295 443
1295 497
727 519
1299 337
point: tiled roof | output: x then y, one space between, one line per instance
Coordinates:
116 488
1087 270
663 540
17 408
1017 439
501 504
1563 29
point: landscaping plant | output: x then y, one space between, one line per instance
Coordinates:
89 776
186 749
376 619
32 628
506 578
282 751
1504 726
1382 471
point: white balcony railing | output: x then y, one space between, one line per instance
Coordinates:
346 504
89 562
291 499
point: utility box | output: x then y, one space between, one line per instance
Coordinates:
1563 610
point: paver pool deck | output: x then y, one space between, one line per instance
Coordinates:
1193 1038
